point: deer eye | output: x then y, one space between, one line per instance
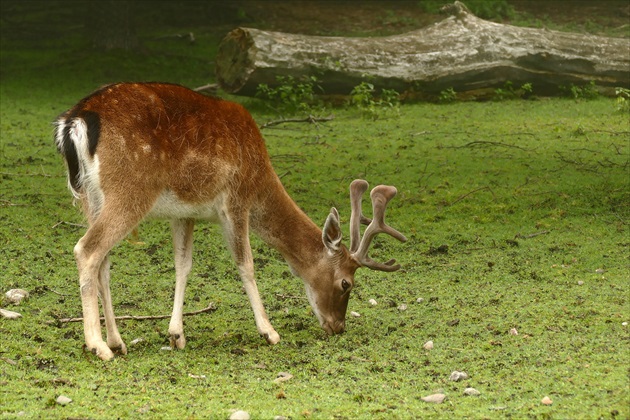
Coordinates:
345 285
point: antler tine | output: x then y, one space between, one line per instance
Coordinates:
380 195
357 188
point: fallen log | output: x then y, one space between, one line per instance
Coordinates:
462 52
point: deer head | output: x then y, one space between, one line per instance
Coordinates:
329 299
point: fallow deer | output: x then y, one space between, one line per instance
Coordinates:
138 150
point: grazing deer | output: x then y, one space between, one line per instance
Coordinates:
138 150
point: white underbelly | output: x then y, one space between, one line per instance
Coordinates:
169 206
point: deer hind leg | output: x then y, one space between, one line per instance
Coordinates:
114 340
236 231
91 252
182 245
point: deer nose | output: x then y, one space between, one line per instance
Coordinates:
334 327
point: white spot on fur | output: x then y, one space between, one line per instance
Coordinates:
169 206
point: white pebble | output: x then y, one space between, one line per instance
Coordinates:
546 401
402 307
9 314
428 345
240 415
373 302
513 331
625 323
458 376
283 377
471 392
63 400
419 300
355 314
15 296
166 348
580 283
434 398
136 341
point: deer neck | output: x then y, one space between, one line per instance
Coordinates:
283 225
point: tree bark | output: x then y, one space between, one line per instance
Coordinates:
462 52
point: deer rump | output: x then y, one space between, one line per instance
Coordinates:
138 150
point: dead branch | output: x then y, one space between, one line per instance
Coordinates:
310 119
281 296
485 143
531 235
25 174
211 87
69 224
210 308
7 203
189 36
460 198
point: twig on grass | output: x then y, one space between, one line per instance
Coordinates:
211 87
310 119
210 308
281 296
26 174
7 203
460 198
531 235
485 143
67 223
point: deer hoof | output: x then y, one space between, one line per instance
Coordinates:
119 349
178 341
272 337
101 350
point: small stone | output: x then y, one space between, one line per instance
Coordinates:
546 401
472 392
580 283
419 300
624 324
9 314
434 398
600 271
428 345
63 400
402 307
197 376
513 331
458 376
166 348
136 341
373 302
355 314
15 296
240 415
283 377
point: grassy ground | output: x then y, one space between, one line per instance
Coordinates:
517 214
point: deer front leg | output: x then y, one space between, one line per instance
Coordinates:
236 231
114 340
182 245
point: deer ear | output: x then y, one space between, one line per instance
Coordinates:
331 235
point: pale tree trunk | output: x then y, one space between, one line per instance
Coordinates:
461 52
